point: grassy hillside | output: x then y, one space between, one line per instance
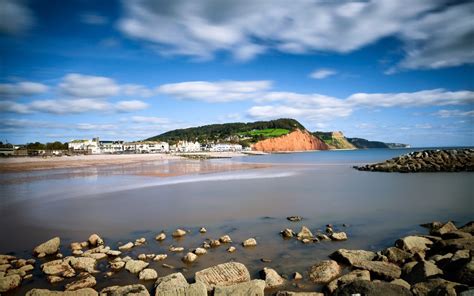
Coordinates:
335 140
238 132
364 144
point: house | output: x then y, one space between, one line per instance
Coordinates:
111 147
185 146
146 147
225 147
85 146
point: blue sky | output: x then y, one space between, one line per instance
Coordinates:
396 71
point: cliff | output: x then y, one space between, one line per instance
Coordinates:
335 140
298 140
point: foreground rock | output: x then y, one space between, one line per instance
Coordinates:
175 284
135 266
84 282
272 278
385 270
254 288
351 256
225 274
251 242
367 288
135 290
452 160
9 282
148 274
48 248
362 275
80 292
324 271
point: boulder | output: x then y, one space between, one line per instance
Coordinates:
355 275
291 293
272 278
9 282
465 274
469 227
287 233
59 268
148 274
385 270
251 242
456 234
297 276
126 247
179 233
396 255
161 237
190 257
350 256
422 271
231 249
413 244
117 265
82 263
135 290
196 289
254 288
160 257
200 251
53 279
446 228
402 283
304 233
176 249
50 247
368 288
203 230
338 236
434 286
84 282
225 274
324 271
135 266
453 245
95 240
80 292
225 239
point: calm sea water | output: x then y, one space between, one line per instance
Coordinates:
122 205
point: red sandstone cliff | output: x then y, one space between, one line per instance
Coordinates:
297 140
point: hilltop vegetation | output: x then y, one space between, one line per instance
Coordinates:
364 144
238 132
335 140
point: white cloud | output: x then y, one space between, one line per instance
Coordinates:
91 18
15 17
85 86
215 92
95 127
453 113
149 119
322 73
129 106
435 33
12 90
13 107
136 90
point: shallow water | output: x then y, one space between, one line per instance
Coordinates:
123 203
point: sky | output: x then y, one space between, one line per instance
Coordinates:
394 71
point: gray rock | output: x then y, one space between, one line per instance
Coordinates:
10 282
50 247
135 290
251 242
386 270
367 288
82 263
80 292
170 282
135 266
350 256
434 286
287 233
453 245
84 282
161 237
422 271
291 293
59 268
190 257
446 228
338 236
469 227
254 288
225 239
413 244
362 275
126 247
225 274
304 233
465 274
272 278
148 274
402 283
396 255
179 233
324 271
456 234
95 240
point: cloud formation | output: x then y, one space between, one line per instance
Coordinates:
435 33
322 73
14 90
15 17
83 86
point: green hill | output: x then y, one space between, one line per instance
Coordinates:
364 144
335 140
238 132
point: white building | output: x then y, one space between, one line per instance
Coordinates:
111 147
185 146
226 147
87 146
146 147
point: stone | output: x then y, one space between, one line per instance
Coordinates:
135 290
402 283
135 266
189 258
83 263
291 293
460 255
114 253
117 265
453 245
126 247
272 278
27 268
76 246
53 279
396 255
368 288
231 249
170 282
350 256
84 282
148 274
5 267
141 257
348 278
225 239
50 247
200 251
160 257
413 244
203 230
214 243
9 282
45 292
338 236
386 270
251 242
468 227
179 233
161 237
254 288
95 240
96 256
446 228
456 234
421 271
77 252
287 233
140 241
59 268
324 271
176 249
433 286
225 274
196 289
167 266
294 218
297 276
465 274
304 233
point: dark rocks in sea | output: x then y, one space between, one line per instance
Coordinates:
446 160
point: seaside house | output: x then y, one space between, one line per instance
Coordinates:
111 147
222 147
185 146
85 146
146 147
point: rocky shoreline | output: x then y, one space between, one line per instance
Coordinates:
440 263
446 160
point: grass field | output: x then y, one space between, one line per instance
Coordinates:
267 133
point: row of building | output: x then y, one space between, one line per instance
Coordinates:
96 146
